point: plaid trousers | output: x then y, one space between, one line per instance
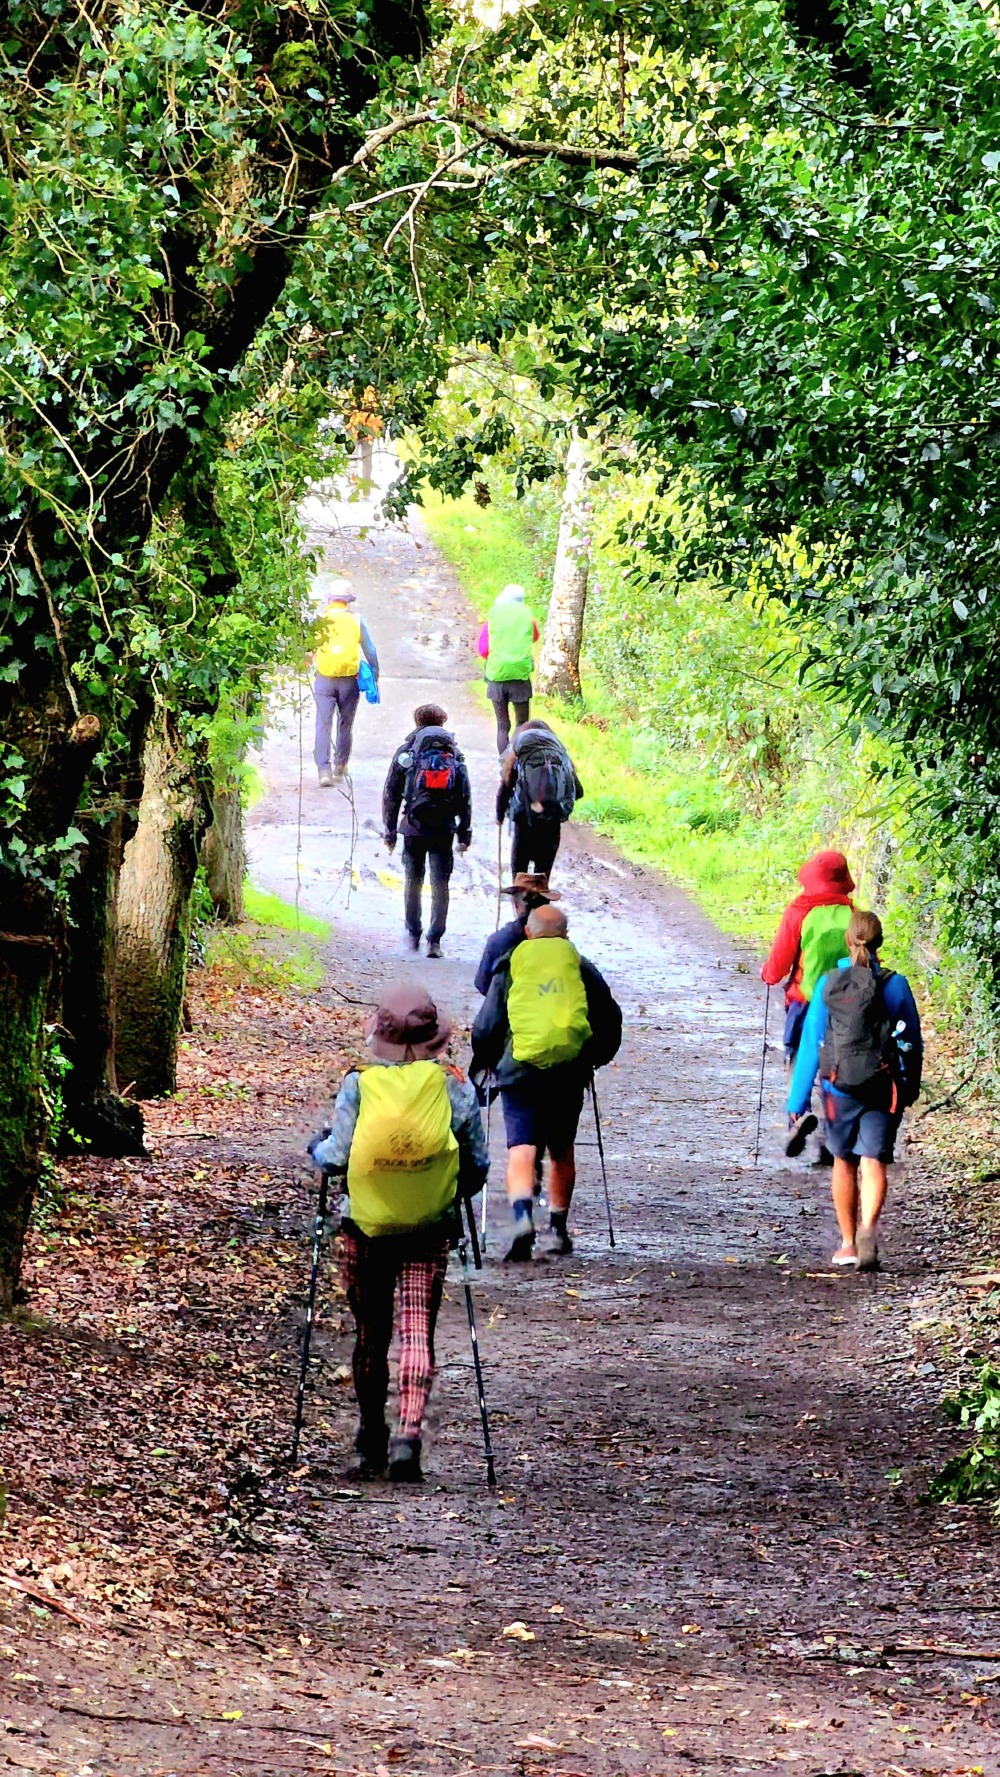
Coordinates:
371 1270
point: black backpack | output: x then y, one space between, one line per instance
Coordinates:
432 796
859 1050
546 781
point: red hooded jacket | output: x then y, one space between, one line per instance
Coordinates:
826 882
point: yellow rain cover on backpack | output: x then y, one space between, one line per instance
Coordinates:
338 643
403 1168
547 1002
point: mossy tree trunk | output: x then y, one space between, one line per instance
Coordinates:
224 853
559 662
56 745
154 909
95 1114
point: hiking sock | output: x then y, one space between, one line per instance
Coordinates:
557 1221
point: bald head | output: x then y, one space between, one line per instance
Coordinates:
546 922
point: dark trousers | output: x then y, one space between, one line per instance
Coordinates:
332 696
418 855
534 843
502 693
372 1271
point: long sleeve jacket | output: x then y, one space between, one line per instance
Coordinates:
395 790
901 1008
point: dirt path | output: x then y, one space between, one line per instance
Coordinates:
712 1453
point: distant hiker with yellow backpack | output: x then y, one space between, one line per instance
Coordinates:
341 641
506 643
548 1020
408 1138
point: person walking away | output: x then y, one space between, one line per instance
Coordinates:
808 942
528 890
548 1020
341 639
506 644
862 1036
429 780
810 938
539 790
407 1137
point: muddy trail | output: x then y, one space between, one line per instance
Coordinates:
709 1549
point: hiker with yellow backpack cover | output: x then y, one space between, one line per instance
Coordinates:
548 1020
406 1137
342 648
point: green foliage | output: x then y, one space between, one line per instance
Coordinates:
974 1475
271 910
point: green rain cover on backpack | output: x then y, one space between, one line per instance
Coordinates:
547 1002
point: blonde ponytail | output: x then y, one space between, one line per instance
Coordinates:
862 937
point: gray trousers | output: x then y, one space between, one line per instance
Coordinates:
340 696
439 858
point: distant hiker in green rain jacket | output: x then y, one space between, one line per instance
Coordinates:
506 643
810 939
548 1020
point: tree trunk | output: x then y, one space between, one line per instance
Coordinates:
25 978
559 662
95 1116
224 854
57 752
154 915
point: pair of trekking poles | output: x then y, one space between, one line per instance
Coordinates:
592 1089
319 1234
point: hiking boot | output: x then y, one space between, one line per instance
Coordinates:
555 1244
434 947
339 772
412 940
867 1249
799 1133
823 1155
325 777
372 1446
521 1247
404 1460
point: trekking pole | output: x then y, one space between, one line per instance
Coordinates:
496 926
319 1230
486 1186
760 1094
600 1150
463 1253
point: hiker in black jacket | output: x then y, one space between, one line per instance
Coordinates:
527 891
538 790
429 780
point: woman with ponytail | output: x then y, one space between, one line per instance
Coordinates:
862 1037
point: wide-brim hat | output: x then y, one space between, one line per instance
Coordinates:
531 882
406 1026
334 591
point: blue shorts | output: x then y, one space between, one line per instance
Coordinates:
543 1109
858 1131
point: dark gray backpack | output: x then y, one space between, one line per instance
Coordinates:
859 1050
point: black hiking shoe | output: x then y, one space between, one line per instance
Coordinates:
555 1244
521 1247
404 1460
372 1446
434 947
823 1155
799 1133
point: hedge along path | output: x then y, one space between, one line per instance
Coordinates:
695 1558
